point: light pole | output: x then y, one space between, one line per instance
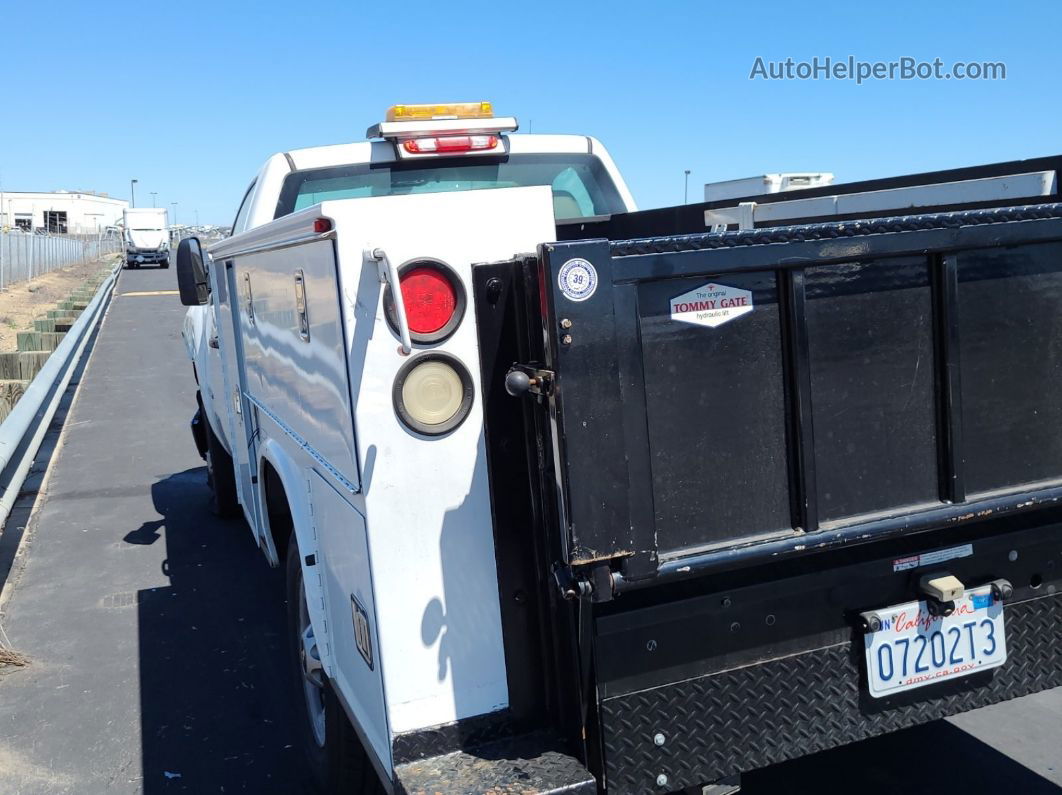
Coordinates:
686 188
153 195
174 204
132 192
197 217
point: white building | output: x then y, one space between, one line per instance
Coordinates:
62 211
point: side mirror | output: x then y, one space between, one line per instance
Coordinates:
192 280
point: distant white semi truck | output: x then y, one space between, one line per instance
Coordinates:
147 239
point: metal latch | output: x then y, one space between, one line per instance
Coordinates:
300 305
248 298
523 379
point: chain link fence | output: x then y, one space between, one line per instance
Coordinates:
24 255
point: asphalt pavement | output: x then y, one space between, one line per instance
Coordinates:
155 631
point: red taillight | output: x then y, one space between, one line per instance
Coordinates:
433 298
430 299
322 225
450 144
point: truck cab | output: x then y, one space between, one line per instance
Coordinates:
411 157
147 239
585 183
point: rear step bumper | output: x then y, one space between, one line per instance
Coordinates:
527 765
699 688
747 718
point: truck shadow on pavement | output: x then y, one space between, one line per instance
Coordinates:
924 760
216 711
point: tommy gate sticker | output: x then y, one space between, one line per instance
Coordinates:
711 305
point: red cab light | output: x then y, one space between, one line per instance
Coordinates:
322 225
430 299
450 144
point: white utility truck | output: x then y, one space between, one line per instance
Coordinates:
574 498
147 238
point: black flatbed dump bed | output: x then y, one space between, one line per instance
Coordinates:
892 376
740 443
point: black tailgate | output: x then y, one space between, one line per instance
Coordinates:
722 397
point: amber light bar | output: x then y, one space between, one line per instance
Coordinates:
451 110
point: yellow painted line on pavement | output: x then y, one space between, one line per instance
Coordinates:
152 292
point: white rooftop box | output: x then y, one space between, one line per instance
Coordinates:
767 183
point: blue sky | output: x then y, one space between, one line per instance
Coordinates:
664 85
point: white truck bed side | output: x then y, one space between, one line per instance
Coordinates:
397 524
440 629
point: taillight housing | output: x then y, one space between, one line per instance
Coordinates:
433 393
434 298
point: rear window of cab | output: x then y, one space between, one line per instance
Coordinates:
581 186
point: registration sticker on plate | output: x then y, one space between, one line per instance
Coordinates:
913 648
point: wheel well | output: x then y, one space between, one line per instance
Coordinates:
278 510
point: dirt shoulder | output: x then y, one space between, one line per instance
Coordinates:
21 303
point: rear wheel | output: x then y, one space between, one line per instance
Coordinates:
337 760
221 477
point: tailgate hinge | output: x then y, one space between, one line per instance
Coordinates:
595 585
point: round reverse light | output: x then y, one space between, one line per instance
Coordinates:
434 299
433 394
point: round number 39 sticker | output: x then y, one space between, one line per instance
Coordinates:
577 279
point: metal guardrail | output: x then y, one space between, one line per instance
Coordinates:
24 255
24 428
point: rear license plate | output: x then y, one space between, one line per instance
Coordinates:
913 648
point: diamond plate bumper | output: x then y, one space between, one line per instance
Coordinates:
745 718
